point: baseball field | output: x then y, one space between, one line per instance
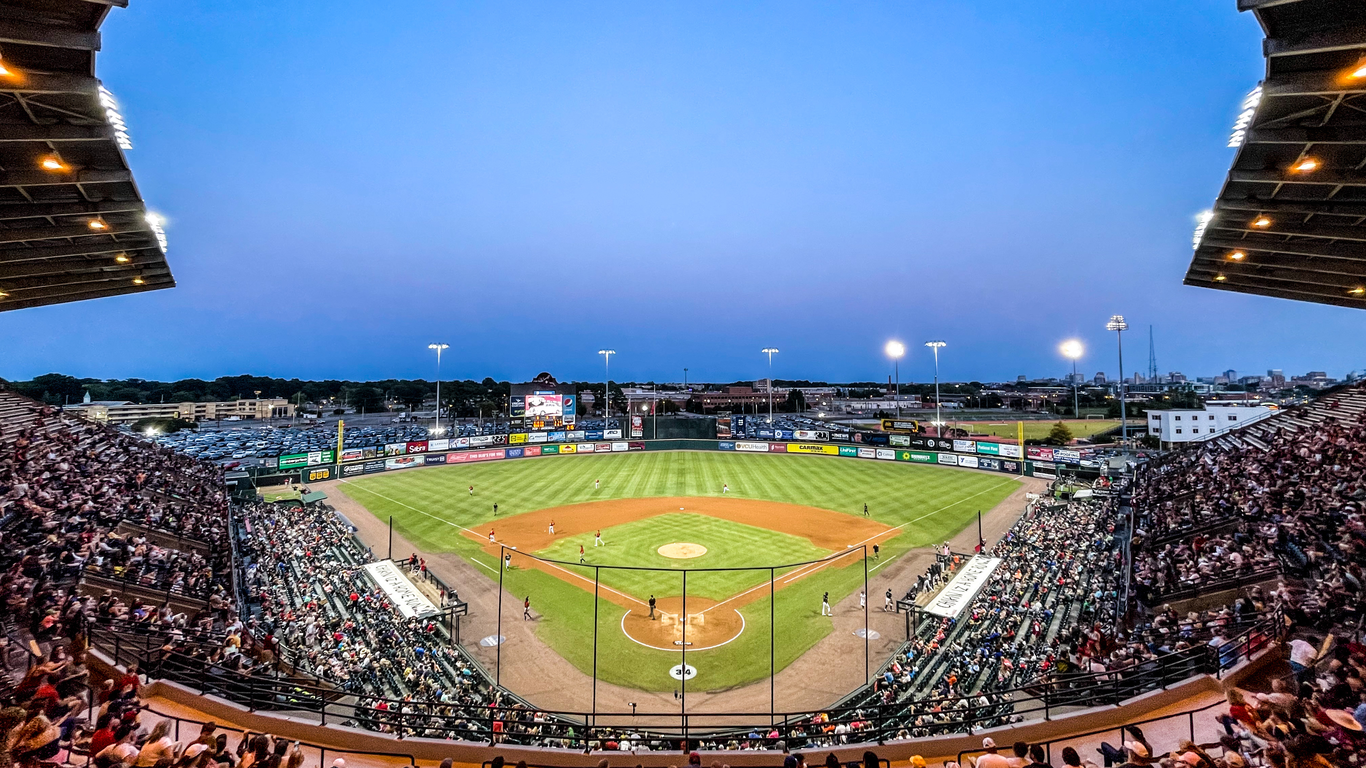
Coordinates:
759 536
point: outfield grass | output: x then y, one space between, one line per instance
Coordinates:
427 504
1036 430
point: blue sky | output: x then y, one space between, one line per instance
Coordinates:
687 183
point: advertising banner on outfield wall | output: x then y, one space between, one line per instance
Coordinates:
374 466
839 437
1011 451
1066 456
1038 454
967 461
586 447
395 449
1012 467
556 437
620 446
958 593
777 447
318 474
469 456
921 457
575 435
478 441
848 450
989 449
537 437
614 434
987 463
532 450
827 450
899 425
602 448
403 462
751 447
867 453
517 438
932 443
292 460
593 434
435 458
811 434
547 450
948 458
569 448
636 445
965 446
460 442
352 454
417 446
515 453
351 470
402 593
444 444
887 454
725 445
900 441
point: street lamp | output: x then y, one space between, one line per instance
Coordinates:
770 351
1118 325
1073 349
895 350
607 390
438 348
936 346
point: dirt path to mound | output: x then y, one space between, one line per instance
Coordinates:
548 680
530 532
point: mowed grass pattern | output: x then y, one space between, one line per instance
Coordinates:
729 545
429 505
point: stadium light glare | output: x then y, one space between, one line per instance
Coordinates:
438 346
1237 256
97 223
138 280
895 350
1358 70
3 294
52 162
1261 222
6 71
122 258
1305 165
1357 291
1219 278
1202 221
607 384
1073 349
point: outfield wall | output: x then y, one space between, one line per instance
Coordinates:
1005 458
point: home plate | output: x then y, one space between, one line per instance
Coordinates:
872 633
492 640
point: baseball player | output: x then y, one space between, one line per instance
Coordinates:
652 606
862 599
495 509
877 551
581 560
725 488
490 535
552 527
471 490
597 540
595 484
507 561
865 509
526 608
887 603
825 605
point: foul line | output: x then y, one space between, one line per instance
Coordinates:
477 537
810 568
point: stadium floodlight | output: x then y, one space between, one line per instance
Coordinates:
937 345
895 350
1261 222
1118 325
607 384
6 71
770 351
1306 165
51 162
1358 70
438 347
1072 348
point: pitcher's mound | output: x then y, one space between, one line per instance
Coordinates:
681 550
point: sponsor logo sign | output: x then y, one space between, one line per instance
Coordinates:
593 434
965 446
751 447
395 449
1065 455
469 456
900 425
500 439
1011 451
777 447
418 446
867 453
848 450
532 450
921 457
621 446
603 448
353 454
435 458
317 474
614 434
958 593
556 437
515 453
840 437
986 463
293 460
948 458
373 452
479 440
575 434
725 445
989 449
569 448
444 444
1010 466
1037 453
967 461
785 434
886 453
536 437
900 440
374 466
402 593
351 470
547 450
827 450
637 427
811 434
637 446
403 462
517 439
460 442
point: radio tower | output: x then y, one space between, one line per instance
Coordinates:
1152 357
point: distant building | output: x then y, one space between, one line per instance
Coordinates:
1193 426
1231 375
1099 379
125 412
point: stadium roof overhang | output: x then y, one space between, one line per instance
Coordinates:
1290 221
72 222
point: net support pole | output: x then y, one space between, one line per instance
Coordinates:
498 652
683 668
772 669
391 537
865 613
597 579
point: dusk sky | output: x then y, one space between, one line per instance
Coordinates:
687 183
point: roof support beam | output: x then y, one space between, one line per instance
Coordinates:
49 36
12 255
45 179
1258 263
1328 208
1323 83
1321 178
80 293
37 234
1322 231
45 210
56 133
77 265
58 83
1299 248
1339 38
1347 134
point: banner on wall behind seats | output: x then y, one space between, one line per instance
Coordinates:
395 449
443 444
319 474
819 435
1065 456
826 450
965 446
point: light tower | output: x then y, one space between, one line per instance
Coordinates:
1073 349
1118 325
607 384
770 351
936 346
438 347
895 350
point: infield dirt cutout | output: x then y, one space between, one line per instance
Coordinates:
709 623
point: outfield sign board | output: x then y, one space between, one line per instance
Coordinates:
965 446
958 593
886 454
967 461
900 425
403 462
403 593
948 458
989 449
828 450
751 447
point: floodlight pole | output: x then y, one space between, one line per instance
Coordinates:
939 422
438 347
770 351
607 384
1118 325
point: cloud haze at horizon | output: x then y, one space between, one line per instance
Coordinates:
686 183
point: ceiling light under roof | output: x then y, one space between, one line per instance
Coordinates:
1306 165
52 163
138 280
1261 222
1358 70
1219 278
1358 291
97 224
6 71
1237 256
122 258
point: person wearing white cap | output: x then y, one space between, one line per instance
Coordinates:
991 759
339 763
